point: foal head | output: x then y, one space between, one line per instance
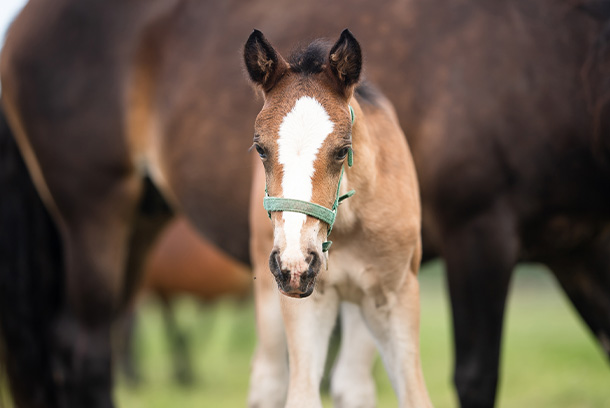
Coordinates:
303 135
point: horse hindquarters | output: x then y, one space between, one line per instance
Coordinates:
92 193
30 281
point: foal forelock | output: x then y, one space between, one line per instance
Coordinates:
301 135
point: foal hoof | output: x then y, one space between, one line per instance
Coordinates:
358 393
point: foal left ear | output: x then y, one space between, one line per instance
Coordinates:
345 62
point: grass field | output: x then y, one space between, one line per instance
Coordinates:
549 359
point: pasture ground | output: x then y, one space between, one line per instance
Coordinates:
549 359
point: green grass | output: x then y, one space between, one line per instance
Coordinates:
549 359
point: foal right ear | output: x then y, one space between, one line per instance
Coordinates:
264 64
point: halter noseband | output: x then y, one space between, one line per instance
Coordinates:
327 215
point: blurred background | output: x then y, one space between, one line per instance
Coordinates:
193 350
8 11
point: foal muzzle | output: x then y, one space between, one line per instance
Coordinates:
292 284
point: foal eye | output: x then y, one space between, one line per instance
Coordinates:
342 153
261 151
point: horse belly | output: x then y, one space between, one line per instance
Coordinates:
184 263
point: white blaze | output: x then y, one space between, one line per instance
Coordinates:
302 133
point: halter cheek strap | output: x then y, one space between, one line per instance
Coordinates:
327 215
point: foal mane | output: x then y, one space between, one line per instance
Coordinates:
310 59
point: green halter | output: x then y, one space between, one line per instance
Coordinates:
327 215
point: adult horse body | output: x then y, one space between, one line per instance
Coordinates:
512 162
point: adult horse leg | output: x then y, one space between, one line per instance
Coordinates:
30 280
268 380
585 277
183 370
96 240
153 215
480 256
126 358
352 383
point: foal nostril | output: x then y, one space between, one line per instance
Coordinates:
314 264
312 259
274 264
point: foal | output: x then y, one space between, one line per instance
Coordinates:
312 118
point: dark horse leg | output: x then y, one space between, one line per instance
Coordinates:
96 242
153 215
106 243
126 358
183 370
30 281
480 256
585 278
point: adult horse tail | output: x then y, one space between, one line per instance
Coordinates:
30 281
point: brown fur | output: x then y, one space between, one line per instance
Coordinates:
491 95
181 262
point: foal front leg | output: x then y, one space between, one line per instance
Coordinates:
269 377
352 384
308 323
395 325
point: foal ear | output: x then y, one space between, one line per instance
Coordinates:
264 64
345 62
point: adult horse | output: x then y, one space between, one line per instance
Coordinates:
98 124
502 102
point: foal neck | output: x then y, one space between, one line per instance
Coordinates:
359 176
382 171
